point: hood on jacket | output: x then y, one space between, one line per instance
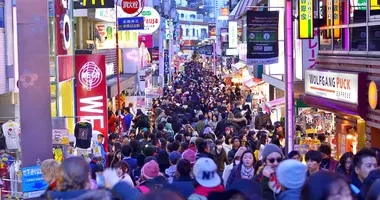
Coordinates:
171 170
81 195
290 194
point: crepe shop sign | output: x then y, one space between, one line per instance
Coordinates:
152 20
338 86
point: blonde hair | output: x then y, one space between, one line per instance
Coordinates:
50 168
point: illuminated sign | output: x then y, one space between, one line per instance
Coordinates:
329 17
339 86
232 35
152 20
83 4
336 15
373 96
306 27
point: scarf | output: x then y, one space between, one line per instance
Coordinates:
274 185
247 172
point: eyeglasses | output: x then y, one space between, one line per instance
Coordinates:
272 160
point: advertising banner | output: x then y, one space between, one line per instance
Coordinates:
262 37
62 32
91 91
336 15
335 85
306 26
232 34
147 40
211 30
224 11
131 23
155 55
224 34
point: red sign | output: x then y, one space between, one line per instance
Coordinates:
65 68
147 40
91 91
63 29
130 6
155 55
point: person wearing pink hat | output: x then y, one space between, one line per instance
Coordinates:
149 171
190 156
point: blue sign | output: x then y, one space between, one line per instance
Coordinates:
32 179
131 23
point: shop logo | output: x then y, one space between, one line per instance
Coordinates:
130 6
90 76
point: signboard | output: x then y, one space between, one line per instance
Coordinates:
211 30
373 95
155 55
63 32
32 179
166 65
310 51
329 18
130 6
224 11
232 52
336 16
152 20
130 23
262 37
152 93
335 85
91 91
232 34
147 40
306 26
84 4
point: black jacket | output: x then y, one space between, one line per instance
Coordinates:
220 159
184 185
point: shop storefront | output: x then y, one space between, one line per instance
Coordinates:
343 95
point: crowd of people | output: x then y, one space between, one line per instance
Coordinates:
205 143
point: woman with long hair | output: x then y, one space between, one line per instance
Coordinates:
245 169
345 164
115 156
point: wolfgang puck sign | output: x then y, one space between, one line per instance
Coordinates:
335 85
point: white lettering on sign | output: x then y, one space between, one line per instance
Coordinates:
93 105
131 4
333 85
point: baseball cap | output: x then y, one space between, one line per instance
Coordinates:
205 172
174 157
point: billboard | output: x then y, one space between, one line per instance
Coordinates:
211 30
232 34
262 37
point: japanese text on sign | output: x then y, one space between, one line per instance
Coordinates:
132 23
306 26
32 179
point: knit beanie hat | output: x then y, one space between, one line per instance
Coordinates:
240 152
150 170
271 148
291 174
189 155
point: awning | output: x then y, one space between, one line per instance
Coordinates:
239 65
127 83
252 82
275 103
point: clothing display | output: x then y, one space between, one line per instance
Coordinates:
11 134
83 135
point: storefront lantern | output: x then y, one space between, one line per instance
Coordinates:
373 95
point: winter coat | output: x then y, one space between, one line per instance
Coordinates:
120 191
231 154
226 173
234 176
184 185
220 159
170 172
290 194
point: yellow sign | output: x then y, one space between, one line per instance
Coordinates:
329 18
93 2
336 18
306 17
309 144
373 95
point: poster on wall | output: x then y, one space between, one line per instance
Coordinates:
211 30
147 40
262 37
91 91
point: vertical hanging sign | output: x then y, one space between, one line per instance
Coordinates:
336 15
91 90
329 18
306 17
